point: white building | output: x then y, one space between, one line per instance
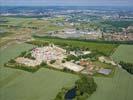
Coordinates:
107 60
73 67
48 53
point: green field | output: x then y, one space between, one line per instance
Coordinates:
124 53
45 84
117 88
103 48
12 51
21 85
42 85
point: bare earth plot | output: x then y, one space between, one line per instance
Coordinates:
124 53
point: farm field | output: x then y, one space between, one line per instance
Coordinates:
12 51
9 53
101 47
42 85
21 85
124 53
45 83
117 88
15 25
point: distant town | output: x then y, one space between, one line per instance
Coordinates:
92 23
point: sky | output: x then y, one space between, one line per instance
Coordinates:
67 2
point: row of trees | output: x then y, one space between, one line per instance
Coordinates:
85 40
22 67
13 64
26 55
39 43
127 66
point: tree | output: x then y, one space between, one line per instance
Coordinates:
52 61
12 61
77 28
86 84
71 57
59 96
82 97
63 61
23 54
43 64
127 66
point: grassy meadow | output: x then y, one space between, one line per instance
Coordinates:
124 53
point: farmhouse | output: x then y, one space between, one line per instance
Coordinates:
28 62
79 53
72 66
107 60
105 71
90 68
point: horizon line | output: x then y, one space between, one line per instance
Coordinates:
70 5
